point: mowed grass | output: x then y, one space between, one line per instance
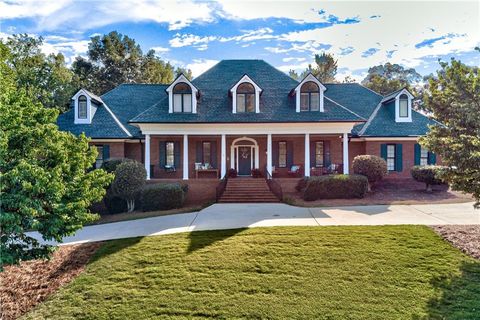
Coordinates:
387 272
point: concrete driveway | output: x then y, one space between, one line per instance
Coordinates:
229 216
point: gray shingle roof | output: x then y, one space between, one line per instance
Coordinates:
141 103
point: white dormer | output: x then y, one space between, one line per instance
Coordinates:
182 96
85 106
309 94
245 96
403 105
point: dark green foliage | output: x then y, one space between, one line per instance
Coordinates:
115 204
256 173
372 167
324 69
232 173
163 196
454 99
336 186
130 177
430 175
302 184
388 78
111 164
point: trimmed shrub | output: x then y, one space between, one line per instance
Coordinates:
256 173
130 177
372 167
115 204
163 196
430 175
232 173
336 186
301 184
111 164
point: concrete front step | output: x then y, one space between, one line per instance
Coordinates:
247 190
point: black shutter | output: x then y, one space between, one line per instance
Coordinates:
399 157
275 154
213 154
106 152
326 154
176 154
199 152
289 154
162 154
313 150
417 152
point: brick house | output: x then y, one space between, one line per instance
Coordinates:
246 114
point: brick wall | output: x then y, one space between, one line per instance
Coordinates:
134 151
408 155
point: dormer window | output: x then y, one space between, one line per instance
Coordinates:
182 97
310 97
82 107
403 106
309 94
245 97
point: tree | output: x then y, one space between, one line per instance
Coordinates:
186 72
129 179
326 67
44 78
454 100
293 74
47 181
390 77
372 167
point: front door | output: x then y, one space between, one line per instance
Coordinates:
244 161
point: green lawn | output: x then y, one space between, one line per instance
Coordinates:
391 272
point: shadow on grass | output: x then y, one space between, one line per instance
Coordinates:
203 239
113 246
459 296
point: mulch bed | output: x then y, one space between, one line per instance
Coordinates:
26 285
464 237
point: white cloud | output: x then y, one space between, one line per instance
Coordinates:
185 40
160 49
199 66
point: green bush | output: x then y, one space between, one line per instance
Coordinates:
372 167
163 196
111 164
115 204
129 179
301 184
336 186
430 175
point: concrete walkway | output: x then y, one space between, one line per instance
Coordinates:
229 216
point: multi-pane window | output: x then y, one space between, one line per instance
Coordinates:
282 154
182 98
391 157
403 106
319 154
309 97
423 157
99 160
245 97
206 147
169 154
82 107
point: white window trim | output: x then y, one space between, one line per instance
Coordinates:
308 78
258 90
397 107
91 109
179 79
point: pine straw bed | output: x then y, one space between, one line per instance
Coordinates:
464 237
26 285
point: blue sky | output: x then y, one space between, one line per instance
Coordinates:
285 33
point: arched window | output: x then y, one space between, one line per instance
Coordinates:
182 97
403 106
245 97
310 97
82 107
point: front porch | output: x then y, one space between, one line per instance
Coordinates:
197 156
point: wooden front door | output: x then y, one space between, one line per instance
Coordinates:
244 161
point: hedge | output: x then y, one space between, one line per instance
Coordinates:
372 167
163 196
111 164
336 186
430 175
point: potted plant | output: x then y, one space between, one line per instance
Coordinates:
232 173
256 173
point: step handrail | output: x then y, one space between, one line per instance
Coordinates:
220 189
273 185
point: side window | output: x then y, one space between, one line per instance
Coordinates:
319 154
309 97
169 154
182 98
403 106
391 153
82 107
99 161
282 154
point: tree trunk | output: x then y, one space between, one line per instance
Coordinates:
429 187
130 205
369 187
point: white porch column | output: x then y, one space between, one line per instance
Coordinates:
223 166
269 153
147 155
345 153
307 154
185 157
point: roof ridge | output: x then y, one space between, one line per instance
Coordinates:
116 120
361 85
345 108
146 109
370 119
